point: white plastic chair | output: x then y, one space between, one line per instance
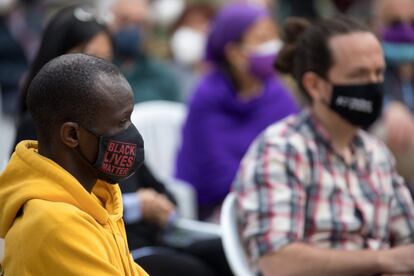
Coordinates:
1 251
159 123
232 243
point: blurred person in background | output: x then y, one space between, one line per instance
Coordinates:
238 98
20 28
51 7
316 194
71 30
149 216
297 8
150 78
188 42
314 9
393 21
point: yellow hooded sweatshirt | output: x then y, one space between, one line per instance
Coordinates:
53 226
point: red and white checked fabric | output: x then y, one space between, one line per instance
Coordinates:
293 186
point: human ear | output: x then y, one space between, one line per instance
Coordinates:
314 85
69 134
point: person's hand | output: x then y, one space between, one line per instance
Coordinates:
399 126
155 207
398 260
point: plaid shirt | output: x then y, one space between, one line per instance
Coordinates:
293 187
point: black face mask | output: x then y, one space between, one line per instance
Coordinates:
360 105
119 156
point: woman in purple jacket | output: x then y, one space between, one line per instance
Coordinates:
236 100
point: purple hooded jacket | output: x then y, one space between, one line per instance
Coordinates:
220 127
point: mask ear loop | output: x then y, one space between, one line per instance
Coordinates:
83 157
323 100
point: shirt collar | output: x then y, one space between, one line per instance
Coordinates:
357 144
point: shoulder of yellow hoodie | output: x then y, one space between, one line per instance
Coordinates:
54 238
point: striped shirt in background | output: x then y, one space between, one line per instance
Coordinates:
293 186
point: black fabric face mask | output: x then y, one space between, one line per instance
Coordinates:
119 156
360 105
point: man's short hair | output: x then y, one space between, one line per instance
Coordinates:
67 89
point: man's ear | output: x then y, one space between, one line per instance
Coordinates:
313 85
69 134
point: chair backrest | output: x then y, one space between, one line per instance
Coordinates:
160 122
232 243
1 251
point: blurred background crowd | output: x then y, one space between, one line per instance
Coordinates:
215 65
161 48
159 44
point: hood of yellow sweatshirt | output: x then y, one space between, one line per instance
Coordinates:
30 175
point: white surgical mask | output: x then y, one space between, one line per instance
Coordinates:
104 10
188 46
270 47
262 3
165 12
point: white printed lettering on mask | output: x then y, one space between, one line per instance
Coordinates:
356 104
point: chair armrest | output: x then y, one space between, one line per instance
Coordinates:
184 232
202 228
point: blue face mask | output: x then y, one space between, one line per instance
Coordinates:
128 41
397 53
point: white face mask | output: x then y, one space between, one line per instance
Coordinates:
104 10
262 3
188 46
165 12
270 47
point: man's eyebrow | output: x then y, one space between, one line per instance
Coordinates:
356 71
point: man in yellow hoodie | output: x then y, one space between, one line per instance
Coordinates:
60 210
